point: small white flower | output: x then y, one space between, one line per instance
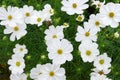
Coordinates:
99 77
116 34
20 49
65 25
97 3
48 11
74 6
86 33
16 64
60 51
38 18
102 62
16 31
48 72
54 33
80 18
89 51
96 21
100 72
18 76
110 14
27 13
11 16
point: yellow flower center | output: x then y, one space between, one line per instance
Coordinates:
111 14
27 14
21 49
10 17
74 5
39 19
97 23
18 64
51 73
101 72
101 61
88 52
60 51
79 18
87 34
54 36
16 28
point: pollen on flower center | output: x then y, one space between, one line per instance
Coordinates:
16 28
39 19
21 49
74 5
10 17
27 14
111 14
97 23
54 36
88 52
18 64
87 34
51 73
101 61
59 51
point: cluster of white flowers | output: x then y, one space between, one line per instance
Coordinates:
15 19
17 63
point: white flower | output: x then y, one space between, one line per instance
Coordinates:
37 72
102 62
97 3
80 18
74 6
96 21
20 49
89 51
110 14
116 34
38 18
48 72
54 33
16 64
48 11
86 33
99 77
16 31
11 16
27 13
65 25
100 72
60 51
18 76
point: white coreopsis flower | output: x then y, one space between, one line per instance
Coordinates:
16 31
54 33
37 73
102 62
100 72
27 13
60 51
116 34
38 18
96 21
17 64
74 6
97 3
48 11
86 33
80 18
20 49
89 51
18 76
98 77
11 16
110 14
65 25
